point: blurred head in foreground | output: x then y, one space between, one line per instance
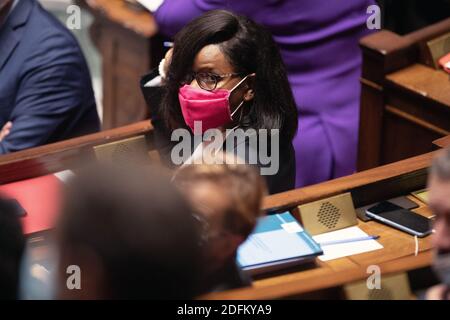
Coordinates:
439 202
12 245
227 198
129 234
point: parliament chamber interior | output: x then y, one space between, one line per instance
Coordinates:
350 202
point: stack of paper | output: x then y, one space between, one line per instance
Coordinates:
278 241
335 251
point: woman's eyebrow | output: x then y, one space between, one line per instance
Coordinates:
208 69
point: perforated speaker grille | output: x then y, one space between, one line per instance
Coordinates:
328 215
122 152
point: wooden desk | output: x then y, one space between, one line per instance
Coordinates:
442 142
405 104
318 281
67 154
326 279
129 46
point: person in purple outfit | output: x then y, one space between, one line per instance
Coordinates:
318 40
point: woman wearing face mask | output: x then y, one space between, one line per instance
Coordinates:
226 73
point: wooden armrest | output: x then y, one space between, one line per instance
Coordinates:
320 281
62 155
141 22
359 184
423 81
442 142
386 42
394 52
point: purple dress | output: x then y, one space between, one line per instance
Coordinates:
318 40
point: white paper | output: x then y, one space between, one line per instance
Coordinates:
151 5
271 246
65 175
155 82
292 227
335 251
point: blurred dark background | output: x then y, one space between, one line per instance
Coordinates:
404 16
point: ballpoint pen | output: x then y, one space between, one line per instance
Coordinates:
327 243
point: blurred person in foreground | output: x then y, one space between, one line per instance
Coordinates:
131 234
12 246
439 202
227 196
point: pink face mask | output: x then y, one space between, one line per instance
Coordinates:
211 108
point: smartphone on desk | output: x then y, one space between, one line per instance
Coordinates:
399 218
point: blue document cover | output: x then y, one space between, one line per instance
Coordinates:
278 241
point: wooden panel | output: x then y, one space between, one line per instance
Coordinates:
442 142
322 279
398 254
117 11
125 59
370 125
404 139
129 46
366 187
393 76
319 281
64 154
424 81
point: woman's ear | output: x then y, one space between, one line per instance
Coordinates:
250 84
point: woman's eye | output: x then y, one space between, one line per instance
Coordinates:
210 78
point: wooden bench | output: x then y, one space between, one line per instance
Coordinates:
328 279
405 101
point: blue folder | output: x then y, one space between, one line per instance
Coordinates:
277 242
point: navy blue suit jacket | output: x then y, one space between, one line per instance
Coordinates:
45 86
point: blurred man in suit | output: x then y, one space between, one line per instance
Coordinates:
45 88
439 202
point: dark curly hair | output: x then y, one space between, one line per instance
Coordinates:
249 48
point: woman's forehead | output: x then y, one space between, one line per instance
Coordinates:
210 58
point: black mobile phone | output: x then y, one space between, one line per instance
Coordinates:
401 201
400 218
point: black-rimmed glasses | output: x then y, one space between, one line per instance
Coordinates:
208 80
